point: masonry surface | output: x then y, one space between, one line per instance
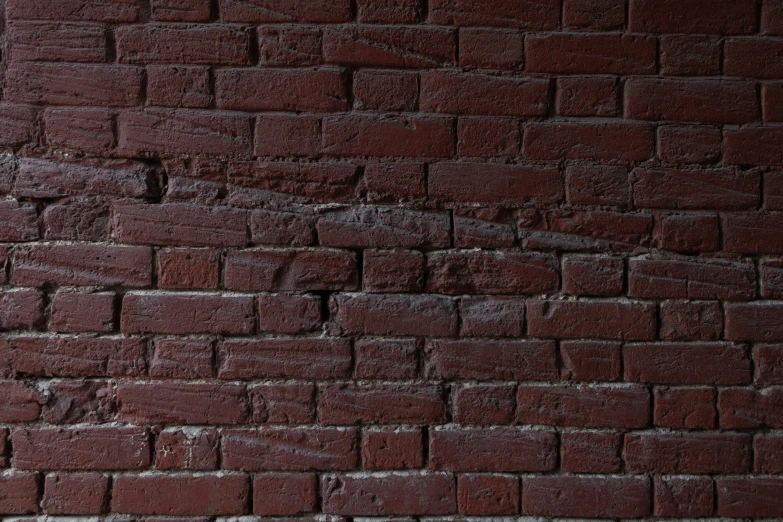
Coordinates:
323 260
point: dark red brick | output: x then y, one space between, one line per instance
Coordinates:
688 453
181 10
693 16
88 130
483 405
479 494
182 359
75 10
383 227
594 141
306 358
20 402
684 408
266 11
393 271
491 48
591 452
593 15
594 497
757 321
292 46
683 497
748 408
389 494
186 449
19 493
594 318
691 320
700 144
767 450
81 312
688 232
75 494
78 356
713 189
593 275
56 42
346 404
177 86
482 137
690 55
390 11
753 57
390 46
526 14
386 359
518 360
768 364
290 314
377 90
391 449
587 96
569 53
283 403
186 44
285 493
590 361
187 313
492 316
755 497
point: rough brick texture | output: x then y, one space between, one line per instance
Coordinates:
391 260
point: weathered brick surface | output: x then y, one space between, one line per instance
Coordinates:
315 260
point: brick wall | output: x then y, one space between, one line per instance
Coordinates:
391 258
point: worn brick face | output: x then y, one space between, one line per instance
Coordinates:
390 260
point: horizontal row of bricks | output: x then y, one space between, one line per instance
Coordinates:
395 47
394 315
368 495
720 17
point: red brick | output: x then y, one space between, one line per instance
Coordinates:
187 44
177 86
719 101
753 233
17 124
772 18
180 494
19 493
597 185
688 232
289 227
525 14
590 54
19 221
182 359
291 183
181 10
283 403
771 278
179 224
285 493
56 42
290 46
264 11
181 448
346 404
182 403
594 15
83 448
389 494
500 272
393 271
693 16
713 189
590 361
700 144
83 265
587 96
756 497
290 270
592 275
75 10
71 84
392 314
81 312
290 314
683 497
78 356
687 453
307 358
753 57
401 136
604 497
483 405
290 449
691 278
483 228
383 227
773 189
507 185
187 313
767 450
187 268
390 46
708 363
690 55
389 449
78 219
75 494
597 319
75 402
386 359
754 146
88 130
757 321
743 408
490 48
183 131
385 91
517 360
772 100
593 406
309 90
487 138
691 321
20 309
284 135
389 11
20 402
591 452
48 179
479 494
394 182
768 364
594 141
492 317
684 408
482 95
